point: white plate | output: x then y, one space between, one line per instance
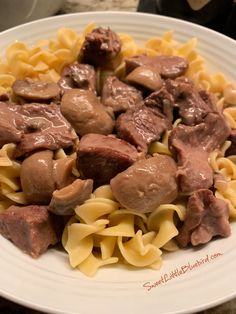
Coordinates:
48 284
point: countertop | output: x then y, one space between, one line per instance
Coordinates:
70 6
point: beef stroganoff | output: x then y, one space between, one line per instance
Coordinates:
120 152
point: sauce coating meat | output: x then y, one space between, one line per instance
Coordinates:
31 228
78 75
100 47
102 157
206 217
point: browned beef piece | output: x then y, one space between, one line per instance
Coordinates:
146 184
191 145
65 200
78 75
44 128
163 100
167 66
34 90
142 126
207 216
101 157
100 47
85 112
232 149
10 120
120 96
31 228
192 105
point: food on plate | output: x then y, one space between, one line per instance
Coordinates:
119 152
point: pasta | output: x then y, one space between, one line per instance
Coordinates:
101 232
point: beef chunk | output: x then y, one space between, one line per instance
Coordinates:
146 184
142 126
85 112
162 100
232 149
65 200
206 217
35 91
44 128
100 47
78 75
193 105
191 145
167 66
101 157
10 120
120 96
31 228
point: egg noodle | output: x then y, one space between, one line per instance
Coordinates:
102 232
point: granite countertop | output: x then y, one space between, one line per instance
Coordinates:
70 6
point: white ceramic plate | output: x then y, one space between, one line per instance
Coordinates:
190 280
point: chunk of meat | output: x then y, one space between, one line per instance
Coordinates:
10 120
207 216
142 126
146 76
85 112
78 75
194 171
100 47
232 149
64 201
146 184
192 144
31 228
120 96
101 157
44 127
34 90
193 105
167 66
162 100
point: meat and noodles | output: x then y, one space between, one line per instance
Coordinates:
118 150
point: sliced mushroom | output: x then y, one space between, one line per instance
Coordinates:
62 169
146 76
37 177
35 90
65 200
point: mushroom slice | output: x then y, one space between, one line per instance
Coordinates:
146 76
65 200
62 170
35 90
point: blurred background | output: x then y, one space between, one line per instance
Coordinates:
219 15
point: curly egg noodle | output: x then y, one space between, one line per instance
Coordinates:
102 232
